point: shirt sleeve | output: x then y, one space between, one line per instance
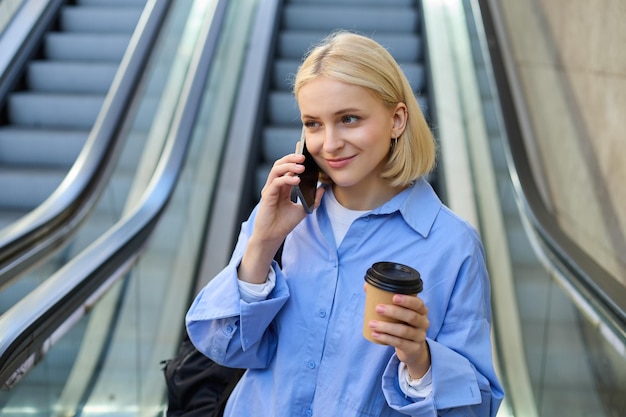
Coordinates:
450 372
415 388
228 329
257 292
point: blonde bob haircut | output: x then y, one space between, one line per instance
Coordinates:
359 60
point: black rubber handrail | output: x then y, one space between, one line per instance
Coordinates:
31 325
37 234
594 283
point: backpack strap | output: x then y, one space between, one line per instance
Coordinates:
228 389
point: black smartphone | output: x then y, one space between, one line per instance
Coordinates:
305 191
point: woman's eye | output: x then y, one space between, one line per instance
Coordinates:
310 124
350 119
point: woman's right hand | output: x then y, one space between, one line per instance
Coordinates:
276 217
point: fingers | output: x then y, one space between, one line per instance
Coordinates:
410 302
405 308
395 334
412 323
289 164
278 214
284 172
401 337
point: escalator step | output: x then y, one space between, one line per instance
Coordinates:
279 141
40 147
70 77
86 47
365 19
116 3
283 73
54 110
25 189
403 47
387 3
283 110
416 74
99 19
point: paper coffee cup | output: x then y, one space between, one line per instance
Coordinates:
383 280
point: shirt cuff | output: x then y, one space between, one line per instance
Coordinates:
415 388
257 292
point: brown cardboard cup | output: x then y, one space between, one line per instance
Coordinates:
383 280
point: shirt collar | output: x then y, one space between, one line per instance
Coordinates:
418 205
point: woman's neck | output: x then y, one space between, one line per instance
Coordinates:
359 198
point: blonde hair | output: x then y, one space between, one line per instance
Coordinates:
359 60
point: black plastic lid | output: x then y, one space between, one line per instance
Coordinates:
394 277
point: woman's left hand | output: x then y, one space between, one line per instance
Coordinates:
408 336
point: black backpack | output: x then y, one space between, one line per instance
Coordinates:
196 385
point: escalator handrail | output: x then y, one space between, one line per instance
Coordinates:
37 234
598 287
27 328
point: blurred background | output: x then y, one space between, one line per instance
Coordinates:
135 136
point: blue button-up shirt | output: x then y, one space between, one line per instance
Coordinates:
303 345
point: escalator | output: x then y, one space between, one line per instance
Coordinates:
62 116
89 41
78 309
55 100
246 118
67 56
56 91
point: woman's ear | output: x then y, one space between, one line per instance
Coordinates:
400 117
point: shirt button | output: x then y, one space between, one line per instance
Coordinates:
311 365
309 412
229 329
322 313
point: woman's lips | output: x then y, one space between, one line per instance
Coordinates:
337 163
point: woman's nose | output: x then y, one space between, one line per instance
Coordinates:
332 140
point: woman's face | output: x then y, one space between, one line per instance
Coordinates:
348 132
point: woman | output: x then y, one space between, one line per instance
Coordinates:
298 329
